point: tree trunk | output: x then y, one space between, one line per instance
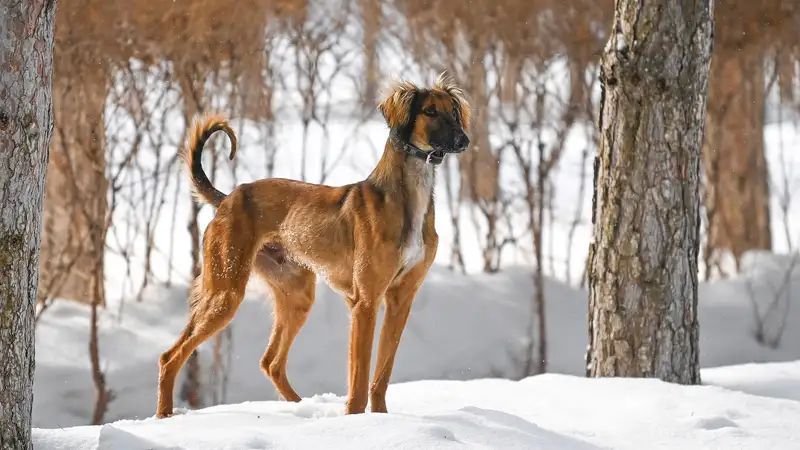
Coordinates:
76 188
479 167
538 276
737 202
191 82
643 263
26 124
371 17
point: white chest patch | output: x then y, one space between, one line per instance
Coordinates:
421 177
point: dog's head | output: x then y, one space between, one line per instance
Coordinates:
432 119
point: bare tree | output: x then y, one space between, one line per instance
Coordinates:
26 121
643 273
769 322
536 167
454 205
316 43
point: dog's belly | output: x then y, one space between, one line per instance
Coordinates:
337 274
276 262
339 281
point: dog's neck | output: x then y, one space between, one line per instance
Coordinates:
398 173
412 179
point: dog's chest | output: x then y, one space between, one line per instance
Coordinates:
420 180
414 251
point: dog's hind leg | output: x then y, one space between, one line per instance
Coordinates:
206 326
226 270
293 290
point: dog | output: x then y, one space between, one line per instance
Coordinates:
371 241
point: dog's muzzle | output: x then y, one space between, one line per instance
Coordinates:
462 142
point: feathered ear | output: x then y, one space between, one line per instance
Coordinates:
445 83
396 107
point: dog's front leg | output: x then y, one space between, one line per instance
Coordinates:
398 307
362 329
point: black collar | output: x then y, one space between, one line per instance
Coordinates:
433 157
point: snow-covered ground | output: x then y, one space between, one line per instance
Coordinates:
543 412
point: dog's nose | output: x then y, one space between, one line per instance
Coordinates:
462 141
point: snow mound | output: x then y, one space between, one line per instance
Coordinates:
542 412
778 380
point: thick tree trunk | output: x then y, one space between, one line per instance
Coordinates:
737 202
643 263
26 124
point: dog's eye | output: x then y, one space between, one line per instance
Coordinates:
430 111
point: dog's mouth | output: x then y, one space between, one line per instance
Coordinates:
437 154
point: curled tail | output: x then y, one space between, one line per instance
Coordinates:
200 132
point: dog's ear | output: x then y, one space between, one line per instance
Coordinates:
446 83
396 107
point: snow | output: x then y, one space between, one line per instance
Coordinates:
542 412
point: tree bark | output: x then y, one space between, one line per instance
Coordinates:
737 202
26 124
643 259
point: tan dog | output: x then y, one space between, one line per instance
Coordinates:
370 240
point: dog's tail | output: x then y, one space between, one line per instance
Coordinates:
200 132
